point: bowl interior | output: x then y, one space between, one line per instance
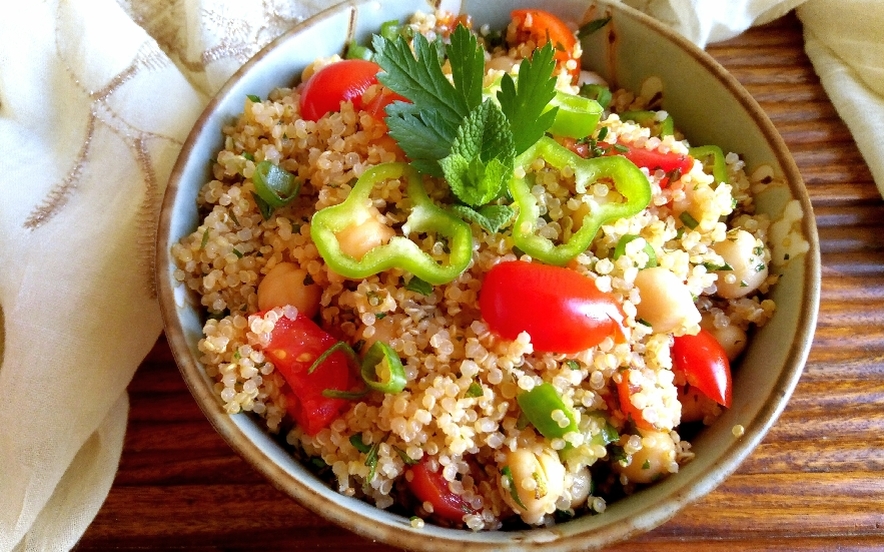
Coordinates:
706 103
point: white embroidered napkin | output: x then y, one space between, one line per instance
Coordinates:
96 99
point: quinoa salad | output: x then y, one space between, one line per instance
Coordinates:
468 282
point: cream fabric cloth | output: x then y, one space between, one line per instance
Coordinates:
96 99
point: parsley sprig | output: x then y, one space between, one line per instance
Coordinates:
447 129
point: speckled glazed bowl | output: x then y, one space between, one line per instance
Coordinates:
709 106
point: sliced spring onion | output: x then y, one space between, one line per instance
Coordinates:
539 404
274 185
382 369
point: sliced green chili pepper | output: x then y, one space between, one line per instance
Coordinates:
620 249
597 92
628 180
275 185
577 116
400 251
538 406
357 51
382 369
713 162
648 119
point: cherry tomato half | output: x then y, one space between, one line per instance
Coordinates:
294 345
541 26
430 486
342 81
704 364
561 310
668 162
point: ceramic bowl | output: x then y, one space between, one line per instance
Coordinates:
709 106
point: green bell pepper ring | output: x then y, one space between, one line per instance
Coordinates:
400 251
713 162
628 180
577 116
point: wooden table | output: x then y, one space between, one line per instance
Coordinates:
815 483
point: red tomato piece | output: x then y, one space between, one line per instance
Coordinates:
562 311
295 344
430 486
704 364
668 162
343 81
624 392
541 27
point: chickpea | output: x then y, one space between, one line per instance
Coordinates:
367 232
695 406
285 284
732 338
746 256
539 480
666 302
654 460
581 486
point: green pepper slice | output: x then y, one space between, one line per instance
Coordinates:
382 369
713 162
628 180
538 406
400 251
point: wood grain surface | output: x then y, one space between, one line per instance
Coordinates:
815 483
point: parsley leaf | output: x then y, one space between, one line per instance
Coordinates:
524 105
469 71
426 127
481 160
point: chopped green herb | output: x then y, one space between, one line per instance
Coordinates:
507 474
572 364
688 220
406 459
253 98
592 26
358 443
248 156
475 390
417 285
712 267
205 240
621 148
646 465
237 252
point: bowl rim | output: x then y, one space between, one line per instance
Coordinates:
326 502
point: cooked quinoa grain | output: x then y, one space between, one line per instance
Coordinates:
458 415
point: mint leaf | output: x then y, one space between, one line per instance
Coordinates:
490 217
481 160
523 106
